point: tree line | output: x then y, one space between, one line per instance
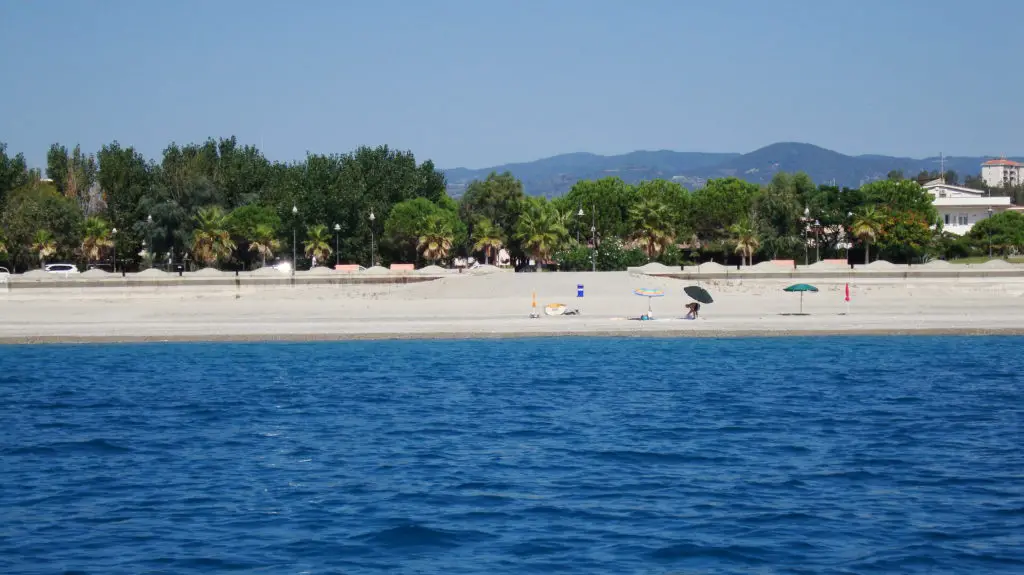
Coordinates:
222 204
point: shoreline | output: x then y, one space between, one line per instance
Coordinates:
492 335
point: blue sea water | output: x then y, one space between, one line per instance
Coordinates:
802 455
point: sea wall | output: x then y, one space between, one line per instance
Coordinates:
149 282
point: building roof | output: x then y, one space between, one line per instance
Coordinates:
1002 162
935 184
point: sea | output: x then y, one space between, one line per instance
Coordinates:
573 456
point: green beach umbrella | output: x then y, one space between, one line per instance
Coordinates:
801 288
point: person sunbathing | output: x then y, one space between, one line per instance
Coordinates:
694 308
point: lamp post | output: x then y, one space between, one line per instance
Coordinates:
295 239
817 251
807 216
579 216
113 233
989 233
593 238
373 247
848 234
149 236
337 231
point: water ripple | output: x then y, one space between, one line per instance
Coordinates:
823 455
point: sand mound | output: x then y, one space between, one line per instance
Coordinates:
936 264
434 270
35 275
268 272
96 273
150 273
377 271
318 270
823 265
711 267
654 268
994 264
212 272
770 267
880 265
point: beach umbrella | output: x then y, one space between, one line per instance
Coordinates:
699 294
801 288
649 293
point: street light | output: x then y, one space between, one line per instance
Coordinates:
295 261
113 232
593 238
807 216
989 233
817 252
373 247
149 234
849 237
337 230
579 215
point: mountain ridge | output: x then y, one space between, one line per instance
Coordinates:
555 175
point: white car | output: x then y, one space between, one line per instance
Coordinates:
61 268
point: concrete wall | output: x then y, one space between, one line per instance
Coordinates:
77 282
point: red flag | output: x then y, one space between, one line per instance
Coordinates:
847 292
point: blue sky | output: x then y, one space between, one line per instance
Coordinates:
477 83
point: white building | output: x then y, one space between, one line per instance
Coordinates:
1002 172
960 208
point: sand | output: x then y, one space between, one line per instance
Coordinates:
499 304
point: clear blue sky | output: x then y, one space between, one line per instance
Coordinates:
481 82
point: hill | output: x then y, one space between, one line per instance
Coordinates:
555 175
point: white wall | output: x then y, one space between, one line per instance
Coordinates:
952 217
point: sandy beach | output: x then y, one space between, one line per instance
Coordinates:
499 305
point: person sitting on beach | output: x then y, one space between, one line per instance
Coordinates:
694 308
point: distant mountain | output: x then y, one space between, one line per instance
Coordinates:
555 175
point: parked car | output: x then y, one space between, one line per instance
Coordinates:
104 267
61 268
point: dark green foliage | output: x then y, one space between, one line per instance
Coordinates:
38 206
1004 232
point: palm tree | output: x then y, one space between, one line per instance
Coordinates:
263 242
211 240
867 226
44 245
652 224
318 242
487 238
437 238
97 238
747 241
541 232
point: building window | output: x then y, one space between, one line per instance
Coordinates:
947 219
962 220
